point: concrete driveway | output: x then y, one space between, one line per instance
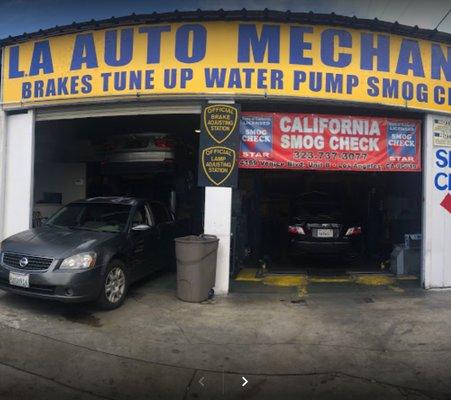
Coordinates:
342 341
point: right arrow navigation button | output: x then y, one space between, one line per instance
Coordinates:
244 381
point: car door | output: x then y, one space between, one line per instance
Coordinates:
164 223
144 243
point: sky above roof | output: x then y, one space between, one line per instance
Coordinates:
19 16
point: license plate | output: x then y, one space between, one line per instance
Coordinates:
22 280
325 233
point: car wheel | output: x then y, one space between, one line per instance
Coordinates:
114 287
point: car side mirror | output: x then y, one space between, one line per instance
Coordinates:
141 227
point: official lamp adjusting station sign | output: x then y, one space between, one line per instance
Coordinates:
231 58
218 145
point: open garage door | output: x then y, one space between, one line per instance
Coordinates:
327 222
329 194
117 109
146 156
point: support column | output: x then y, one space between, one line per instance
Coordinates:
2 169
436 259
18 165
217 221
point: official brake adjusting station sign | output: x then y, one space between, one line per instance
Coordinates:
238 58
218 145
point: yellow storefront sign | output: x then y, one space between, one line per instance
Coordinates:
230 58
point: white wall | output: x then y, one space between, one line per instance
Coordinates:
2 167
18 173
69 179
436 220
217 221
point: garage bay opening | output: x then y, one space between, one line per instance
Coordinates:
326 222
149 157
328 195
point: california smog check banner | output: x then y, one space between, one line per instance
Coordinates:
329 142
237 58
218 145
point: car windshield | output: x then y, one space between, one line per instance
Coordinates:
100 217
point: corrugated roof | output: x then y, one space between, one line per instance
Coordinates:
238 15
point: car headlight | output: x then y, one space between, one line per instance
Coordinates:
79 261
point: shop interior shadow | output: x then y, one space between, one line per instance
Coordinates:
385 206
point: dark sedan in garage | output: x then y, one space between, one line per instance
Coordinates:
91 249
324 224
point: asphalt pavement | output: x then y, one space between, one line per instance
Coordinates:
337 341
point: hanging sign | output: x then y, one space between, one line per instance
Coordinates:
442 132
442 175
329 142
218 145
231 58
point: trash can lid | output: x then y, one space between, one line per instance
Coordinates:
197 239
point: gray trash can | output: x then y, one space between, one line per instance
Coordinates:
196 266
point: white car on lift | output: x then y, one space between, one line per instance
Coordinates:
136 147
